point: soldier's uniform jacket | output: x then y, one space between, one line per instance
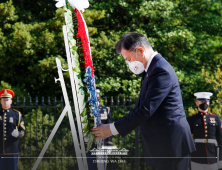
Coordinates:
206 126
106 117
9 119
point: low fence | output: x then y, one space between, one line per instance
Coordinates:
40 117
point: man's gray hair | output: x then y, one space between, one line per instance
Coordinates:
131 41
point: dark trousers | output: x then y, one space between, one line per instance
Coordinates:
176 164
91 160
9 162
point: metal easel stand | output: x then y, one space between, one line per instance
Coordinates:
79 104
71 120
77 97
100 158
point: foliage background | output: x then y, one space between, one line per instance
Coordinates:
188 33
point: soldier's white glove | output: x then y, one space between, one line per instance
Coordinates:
15 133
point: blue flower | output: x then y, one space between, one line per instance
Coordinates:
91 90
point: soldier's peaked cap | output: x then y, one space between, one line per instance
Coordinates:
203 96
98 89
6 94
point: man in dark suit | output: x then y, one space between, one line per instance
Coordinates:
165 133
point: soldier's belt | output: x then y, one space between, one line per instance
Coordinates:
206 141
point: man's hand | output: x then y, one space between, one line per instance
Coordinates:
15 133
102 132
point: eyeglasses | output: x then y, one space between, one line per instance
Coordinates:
131 55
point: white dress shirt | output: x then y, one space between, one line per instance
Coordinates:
112 126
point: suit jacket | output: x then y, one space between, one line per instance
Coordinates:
164 129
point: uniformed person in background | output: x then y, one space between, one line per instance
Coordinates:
207 134
11 129
106 117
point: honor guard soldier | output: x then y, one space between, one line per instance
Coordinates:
11 129
207 133
106 117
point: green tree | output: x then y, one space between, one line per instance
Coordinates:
28 49
214 80
187 33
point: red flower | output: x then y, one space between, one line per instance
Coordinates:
85 41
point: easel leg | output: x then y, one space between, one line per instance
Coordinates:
65 110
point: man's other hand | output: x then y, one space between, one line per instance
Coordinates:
102 132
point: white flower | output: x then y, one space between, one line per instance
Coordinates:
60 3
79 4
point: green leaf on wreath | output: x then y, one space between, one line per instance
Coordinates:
85 131
87 134
86 128
75 55
72 42
68 13
70 34
90 142
84 112
76 69
80 84
74 47
81 91
83 102
79 75
70 26
85 120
